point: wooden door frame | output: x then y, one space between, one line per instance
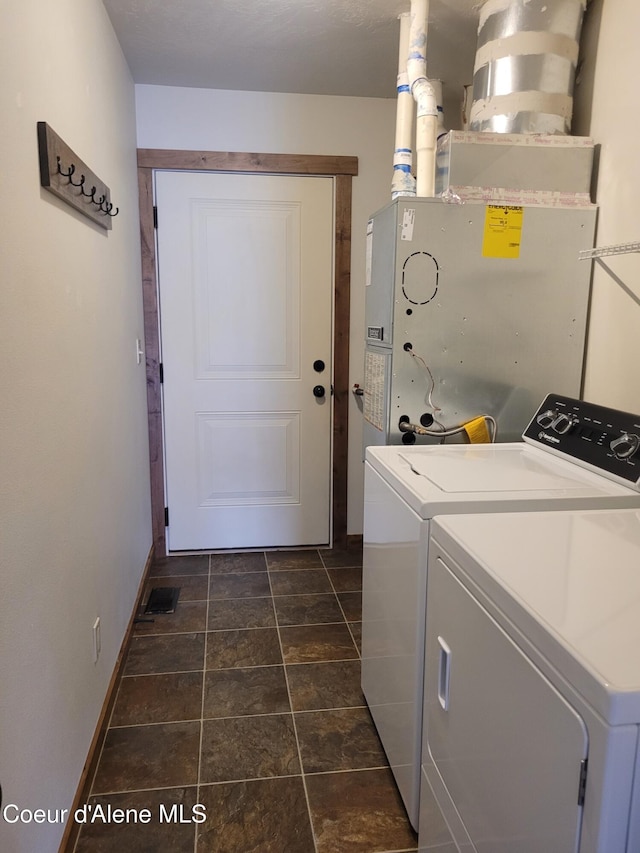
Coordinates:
342 169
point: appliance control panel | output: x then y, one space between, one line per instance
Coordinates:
604 440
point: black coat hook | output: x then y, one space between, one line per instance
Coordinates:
64 174
79 183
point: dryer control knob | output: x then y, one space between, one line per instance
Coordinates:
545 419
625 446
563 423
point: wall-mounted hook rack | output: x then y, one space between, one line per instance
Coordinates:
604 251
64 174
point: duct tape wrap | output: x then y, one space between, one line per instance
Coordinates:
525 66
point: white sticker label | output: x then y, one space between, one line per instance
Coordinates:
408 219
367 271
374 364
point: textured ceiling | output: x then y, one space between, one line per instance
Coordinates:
322 47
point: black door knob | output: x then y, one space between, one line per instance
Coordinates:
318 391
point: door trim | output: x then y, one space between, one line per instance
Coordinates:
342 169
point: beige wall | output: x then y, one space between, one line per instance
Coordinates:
214 120
606 108
74 493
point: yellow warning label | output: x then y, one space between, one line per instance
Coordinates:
502 231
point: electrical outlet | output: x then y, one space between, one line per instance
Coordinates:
96 640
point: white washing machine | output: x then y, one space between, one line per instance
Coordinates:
575 455
532 692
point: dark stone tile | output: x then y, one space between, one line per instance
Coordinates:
233 649
309 643
259 816
130 837
346 580
242 692
165 653
307 609
282 561
248 585
351 603
188 565
190 617
344 739
158 699
161 756
239 748
241 613
300 582
250 562
316 686
192 587
356 633
360 811
341 558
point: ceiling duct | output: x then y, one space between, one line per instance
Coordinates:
525 66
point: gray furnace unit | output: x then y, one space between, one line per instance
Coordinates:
472 308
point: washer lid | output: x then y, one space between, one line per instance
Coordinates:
568 581
491 478
490 468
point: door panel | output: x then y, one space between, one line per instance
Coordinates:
245 269
505 743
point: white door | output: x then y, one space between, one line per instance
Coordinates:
245 270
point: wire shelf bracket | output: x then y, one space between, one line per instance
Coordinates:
605 251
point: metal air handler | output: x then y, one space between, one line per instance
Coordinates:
472 308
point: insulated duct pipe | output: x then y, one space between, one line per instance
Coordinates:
424 95
403 182
525 65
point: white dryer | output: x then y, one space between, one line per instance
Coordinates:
575 455
532 692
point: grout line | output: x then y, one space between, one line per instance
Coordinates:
174 577
328 710
353 639
162 672
202 718
295 727
355 642
204 687
196 786
347 770
244 779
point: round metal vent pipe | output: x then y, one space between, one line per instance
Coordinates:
525 65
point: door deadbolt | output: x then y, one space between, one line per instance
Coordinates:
318 365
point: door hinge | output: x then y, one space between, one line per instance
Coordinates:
582 784
161 372
166 516
155 217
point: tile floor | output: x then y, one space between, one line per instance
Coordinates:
246 702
